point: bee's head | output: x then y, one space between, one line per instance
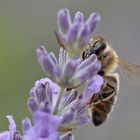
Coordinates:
97 45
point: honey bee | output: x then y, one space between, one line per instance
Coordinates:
100 106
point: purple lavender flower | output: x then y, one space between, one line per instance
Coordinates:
67 72
58 108
50 103
56 104
75 35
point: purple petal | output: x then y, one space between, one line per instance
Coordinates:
63 20
62 57
79 77
69 116
33 92
47 65
12 126
54 90
45 127
45 107
5 135
93 21
83 119
45 124
84 36
26 125
72 96
53 58
32 105
53 86
88 61
86 70
17 136
41 51
92 87
73 34
91 66
70 68
45 61
63 99
41 94
79 18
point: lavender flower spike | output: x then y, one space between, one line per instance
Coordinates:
70 113
75 35
67 72
56 103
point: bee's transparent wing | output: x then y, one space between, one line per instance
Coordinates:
130 72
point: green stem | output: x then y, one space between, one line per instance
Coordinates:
58 101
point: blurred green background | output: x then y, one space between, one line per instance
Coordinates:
27 24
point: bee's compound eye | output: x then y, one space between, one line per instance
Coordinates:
97 45
106 95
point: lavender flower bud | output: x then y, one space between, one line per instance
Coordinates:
63 20
32 105
45 60
26 125
79 18
93 21
93 87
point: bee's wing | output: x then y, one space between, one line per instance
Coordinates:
129 71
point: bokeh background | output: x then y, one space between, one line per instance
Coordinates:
27 24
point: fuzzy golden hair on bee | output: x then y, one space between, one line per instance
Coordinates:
108 60
101 106
105 54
